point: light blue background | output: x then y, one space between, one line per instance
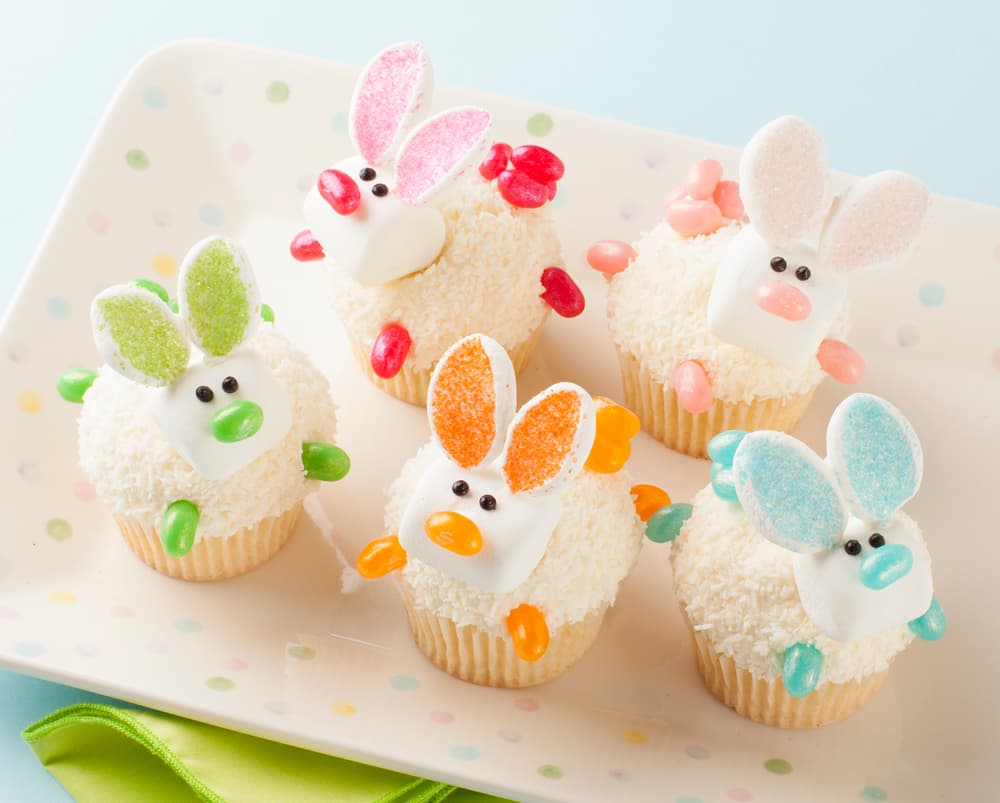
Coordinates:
910 85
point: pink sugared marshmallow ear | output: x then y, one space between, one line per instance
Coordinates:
876 221
439 150
784 180
393 89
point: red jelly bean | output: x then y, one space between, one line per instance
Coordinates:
305 247
390 350
550 189
520 189
339 190
496 161
541 164
562 293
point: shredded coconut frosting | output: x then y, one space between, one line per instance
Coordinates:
594 547
657 313
740 589
138 473
487 279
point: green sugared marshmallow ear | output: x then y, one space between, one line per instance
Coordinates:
138 336
219 300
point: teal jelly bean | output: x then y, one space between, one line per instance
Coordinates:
155 288
324 461
932 625
722 483
267 313
723 446
72 384
237 421
174 306
665 524
178 528
802 666
885 566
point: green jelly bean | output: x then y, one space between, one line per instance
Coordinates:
722 483
931 625
72 384
237 421
155 288
267 313
802 667
665 524
175 308
723 446
178 528
887 564
324 461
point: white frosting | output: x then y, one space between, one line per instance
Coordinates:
592 549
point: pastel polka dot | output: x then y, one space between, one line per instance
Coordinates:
621 775
240 153
277 92
874 794
907 335
339 122
137 159
29 472
162 217
212 85
58 529
654 156
550 771
187 625
510 735
697 752
87 650
154 97
84 491
59 308
404 683
164 264
739 794
300 652
464 752
98 223
236 664
28 401
61 597
210 214
931 294
17 352
539 125
122 612
29 649
442 717
279 707
219 683
629 210
526 704
7 613
996 358
778 766
635 737
688 800
343 709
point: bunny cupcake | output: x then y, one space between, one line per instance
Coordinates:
801 578
722 324
422 252
204 462
512 532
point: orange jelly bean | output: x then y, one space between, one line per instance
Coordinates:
380 557
454 532
649 499
527 628
616 426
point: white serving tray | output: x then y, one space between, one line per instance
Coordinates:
195 143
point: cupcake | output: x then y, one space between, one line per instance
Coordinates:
511 532
203 461
422 250
726 324
800 578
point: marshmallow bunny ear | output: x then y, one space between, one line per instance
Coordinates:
789 495
394 87
439 150
218 297
875 454
549 439
876 221
471 398
138 336
784 180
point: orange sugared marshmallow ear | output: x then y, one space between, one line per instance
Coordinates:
471 398
549 439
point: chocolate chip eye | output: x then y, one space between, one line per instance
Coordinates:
852 547
366 174
230 385
487 502
803 273
380 190
877 540
778 264
460 488
204 393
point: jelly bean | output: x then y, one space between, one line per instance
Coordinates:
666 523
801 669
727 198
390 350
562 293
885 565
339 190
380 557
703 178
155 288
266 313
496 161
324 461
178 528
551 189
784 300
690 218
722 483
237 421
610 256
305 247
454 532
521 190
537 162
931 625
74 383
723 446
648 499
615 428
174 306
529 632
694 391
840 361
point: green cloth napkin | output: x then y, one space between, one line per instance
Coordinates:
101 752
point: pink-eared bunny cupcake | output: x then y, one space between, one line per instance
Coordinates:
726 324
424 251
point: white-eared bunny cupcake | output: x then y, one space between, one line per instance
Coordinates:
722 324
423 251
512 532
801 578
203 460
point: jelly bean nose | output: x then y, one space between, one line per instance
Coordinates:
887 564
237 421
783 300
339 190
454 532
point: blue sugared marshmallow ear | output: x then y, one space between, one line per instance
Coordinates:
788 494
875 455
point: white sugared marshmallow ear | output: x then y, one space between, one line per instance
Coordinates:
439 150
471 399
876 221
875 454
549 439
784 180
391 92
788 494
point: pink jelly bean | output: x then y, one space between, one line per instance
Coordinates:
691 217
727 198
703 179
562 293
305 247
339 190
541 164
521 190
496 161
610 256
390 350
694 391
783 300
840 361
